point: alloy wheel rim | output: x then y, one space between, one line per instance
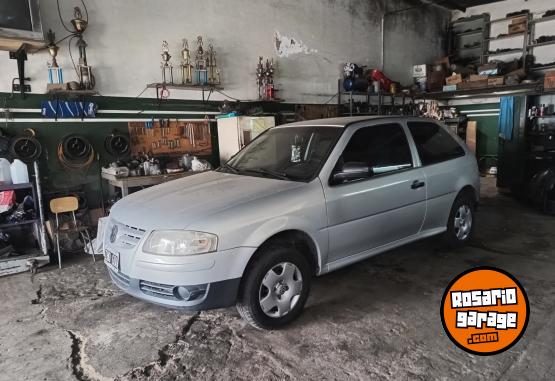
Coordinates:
280 289
463 222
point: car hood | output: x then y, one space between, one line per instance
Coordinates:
178 203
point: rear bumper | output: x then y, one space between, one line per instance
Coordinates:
203 297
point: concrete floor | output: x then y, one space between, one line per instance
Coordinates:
378 319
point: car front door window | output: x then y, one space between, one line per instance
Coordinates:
383 149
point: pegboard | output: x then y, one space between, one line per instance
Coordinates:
167 137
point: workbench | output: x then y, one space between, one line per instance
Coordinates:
124 183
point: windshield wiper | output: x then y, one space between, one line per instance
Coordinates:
268 172
229 168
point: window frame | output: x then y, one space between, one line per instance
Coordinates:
415 159
446 130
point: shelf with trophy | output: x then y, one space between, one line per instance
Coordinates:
200 74
265 72
84 86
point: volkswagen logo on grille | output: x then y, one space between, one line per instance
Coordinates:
114 234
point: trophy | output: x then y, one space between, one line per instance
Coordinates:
78 23
213 71
166 65
201 73
265 79
269 74
186 67
260 76
55 75
86 78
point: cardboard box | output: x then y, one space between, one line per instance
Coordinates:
496 81
517 28
471 129
519 20
453 80
420 71
469 85
476 77
436 80
549 80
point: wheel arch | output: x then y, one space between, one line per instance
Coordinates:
471 191
299 239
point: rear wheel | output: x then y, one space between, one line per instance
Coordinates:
275 288
460 225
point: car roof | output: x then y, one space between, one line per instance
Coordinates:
345 121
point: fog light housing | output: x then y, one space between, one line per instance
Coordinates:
190 293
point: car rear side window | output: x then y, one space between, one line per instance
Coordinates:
433 143
384 148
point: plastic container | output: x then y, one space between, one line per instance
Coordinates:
5 171
19 172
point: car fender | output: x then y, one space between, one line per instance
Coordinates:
280 224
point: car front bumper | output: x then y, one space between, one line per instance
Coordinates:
202 297
190 282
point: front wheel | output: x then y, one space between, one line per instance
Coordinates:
460 225
275 288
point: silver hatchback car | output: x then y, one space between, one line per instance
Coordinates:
302 199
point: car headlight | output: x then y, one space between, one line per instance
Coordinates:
180 242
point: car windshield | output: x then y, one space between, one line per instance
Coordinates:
288 153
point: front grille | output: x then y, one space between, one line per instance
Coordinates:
120 279
127 237
158 290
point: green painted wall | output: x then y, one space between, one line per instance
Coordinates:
57 178
487 140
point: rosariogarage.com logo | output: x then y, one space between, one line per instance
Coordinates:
485 310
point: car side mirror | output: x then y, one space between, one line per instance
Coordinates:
351 171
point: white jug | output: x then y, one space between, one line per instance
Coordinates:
5 172
19 172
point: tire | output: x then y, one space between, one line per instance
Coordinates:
461 222
289 300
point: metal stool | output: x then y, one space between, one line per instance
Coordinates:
68 205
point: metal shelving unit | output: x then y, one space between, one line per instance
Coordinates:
380 96
525 38
531 45
459 33
15 264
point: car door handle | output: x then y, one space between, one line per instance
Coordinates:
417 184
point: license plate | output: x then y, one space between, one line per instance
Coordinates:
111 259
